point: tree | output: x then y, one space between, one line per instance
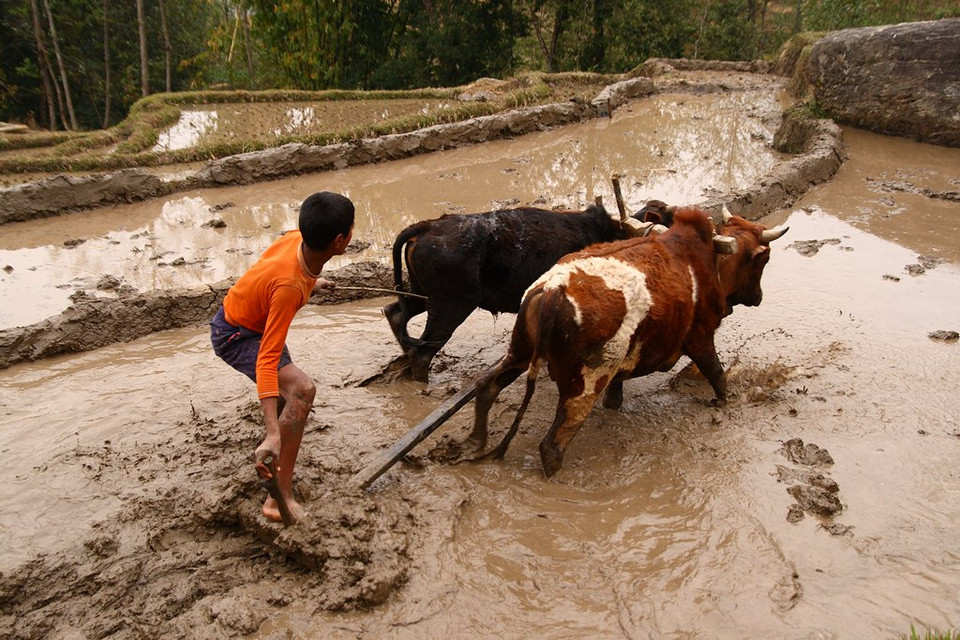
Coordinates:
548 20
144 62
46 70
106 65
248 46
167 49
597 12
63 71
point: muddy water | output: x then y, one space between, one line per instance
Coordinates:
668 519
677 148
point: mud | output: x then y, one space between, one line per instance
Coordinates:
130 504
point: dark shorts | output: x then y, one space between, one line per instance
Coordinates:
238 347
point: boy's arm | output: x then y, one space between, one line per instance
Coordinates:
270 447
284 305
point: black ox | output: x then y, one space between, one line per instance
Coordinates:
462 262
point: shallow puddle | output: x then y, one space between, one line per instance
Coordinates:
668 519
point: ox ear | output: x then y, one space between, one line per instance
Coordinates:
759 251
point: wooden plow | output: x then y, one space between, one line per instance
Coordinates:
389 457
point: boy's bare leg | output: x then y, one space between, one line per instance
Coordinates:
298 392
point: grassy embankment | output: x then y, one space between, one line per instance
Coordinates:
131 143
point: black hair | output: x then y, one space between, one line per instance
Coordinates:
323 217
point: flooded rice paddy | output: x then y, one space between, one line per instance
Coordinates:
272 121
670 519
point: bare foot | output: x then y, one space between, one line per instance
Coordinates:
271 510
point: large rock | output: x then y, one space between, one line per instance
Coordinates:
900 79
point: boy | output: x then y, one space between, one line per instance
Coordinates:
249 332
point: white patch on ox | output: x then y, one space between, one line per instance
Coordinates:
617 276
695 286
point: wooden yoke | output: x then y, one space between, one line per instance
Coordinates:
637 229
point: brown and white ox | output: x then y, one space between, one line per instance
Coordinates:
625 309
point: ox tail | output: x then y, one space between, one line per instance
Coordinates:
539 317
541 323
398 250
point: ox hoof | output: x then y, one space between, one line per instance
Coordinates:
613 396
419 371
450 450
612 401
551 459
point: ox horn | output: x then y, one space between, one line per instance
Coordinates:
727 216
769 235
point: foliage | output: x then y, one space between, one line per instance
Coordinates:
825 15
934 635
313 45
448 42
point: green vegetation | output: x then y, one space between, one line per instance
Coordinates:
130 143
370 45
933 635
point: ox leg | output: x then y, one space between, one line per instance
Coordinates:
613 397
399 314
441 323
571 414
489 387
501 449
709 364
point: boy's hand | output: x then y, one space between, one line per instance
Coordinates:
324 286
266 456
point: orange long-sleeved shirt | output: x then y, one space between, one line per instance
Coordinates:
265 299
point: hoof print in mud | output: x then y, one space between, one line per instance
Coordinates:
815 499
814 491
946 336
809 455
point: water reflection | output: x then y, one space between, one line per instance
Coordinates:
298 118
189 130
176 249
